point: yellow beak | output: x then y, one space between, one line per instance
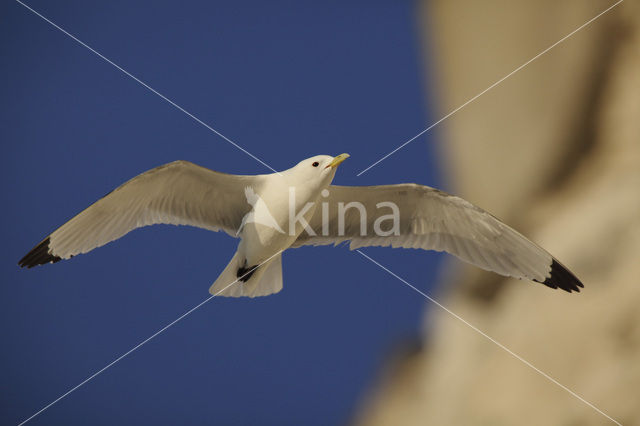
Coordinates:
337 160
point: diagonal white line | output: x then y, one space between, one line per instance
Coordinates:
492 86
136 347
491 339
151 89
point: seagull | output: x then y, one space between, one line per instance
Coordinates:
270 213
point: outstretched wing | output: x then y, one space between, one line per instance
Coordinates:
430 219
178 193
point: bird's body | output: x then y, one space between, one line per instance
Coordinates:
296 207
267 229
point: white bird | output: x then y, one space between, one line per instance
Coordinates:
296 207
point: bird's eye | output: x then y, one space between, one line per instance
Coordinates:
315 164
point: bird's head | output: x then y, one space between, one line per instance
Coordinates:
320 169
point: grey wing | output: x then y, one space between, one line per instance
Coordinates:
178 193
430 219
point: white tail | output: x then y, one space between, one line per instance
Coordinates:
265 280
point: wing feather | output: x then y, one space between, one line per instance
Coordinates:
430 219
178 193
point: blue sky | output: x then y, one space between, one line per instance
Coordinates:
285 80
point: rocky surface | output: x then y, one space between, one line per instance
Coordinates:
554 150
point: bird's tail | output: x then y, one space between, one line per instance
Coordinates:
240 280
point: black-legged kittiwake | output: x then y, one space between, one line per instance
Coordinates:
297 207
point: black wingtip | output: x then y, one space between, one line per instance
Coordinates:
39 255
561 277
